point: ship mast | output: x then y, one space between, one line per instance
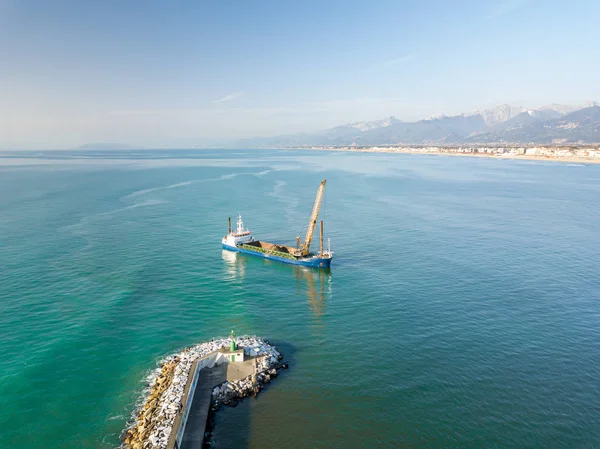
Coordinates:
321 240
304 247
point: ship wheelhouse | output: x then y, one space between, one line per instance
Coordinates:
239 235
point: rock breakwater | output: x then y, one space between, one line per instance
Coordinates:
229 393
267 362
152 424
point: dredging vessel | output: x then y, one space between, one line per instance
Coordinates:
241 240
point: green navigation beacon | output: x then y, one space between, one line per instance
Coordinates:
232 336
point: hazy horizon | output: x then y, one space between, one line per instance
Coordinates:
203 73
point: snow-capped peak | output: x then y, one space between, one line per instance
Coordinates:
366 126
499 114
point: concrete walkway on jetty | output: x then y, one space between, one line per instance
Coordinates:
209 378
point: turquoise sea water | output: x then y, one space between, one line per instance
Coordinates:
462 308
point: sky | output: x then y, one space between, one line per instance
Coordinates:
186 73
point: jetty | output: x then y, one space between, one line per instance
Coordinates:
188 385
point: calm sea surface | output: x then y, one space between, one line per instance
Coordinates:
462 308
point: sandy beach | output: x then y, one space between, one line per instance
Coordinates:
504 156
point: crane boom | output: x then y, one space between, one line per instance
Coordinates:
313 218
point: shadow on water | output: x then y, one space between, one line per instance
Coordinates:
315 283
231 427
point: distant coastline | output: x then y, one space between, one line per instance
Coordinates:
564 153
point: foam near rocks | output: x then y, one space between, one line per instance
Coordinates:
163 399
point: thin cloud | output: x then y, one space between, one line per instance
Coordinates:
143 112
391 63
301 108
504 7
229 97
396 61
326 106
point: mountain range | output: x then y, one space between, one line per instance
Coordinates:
504 124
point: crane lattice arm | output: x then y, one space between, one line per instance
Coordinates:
313 219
